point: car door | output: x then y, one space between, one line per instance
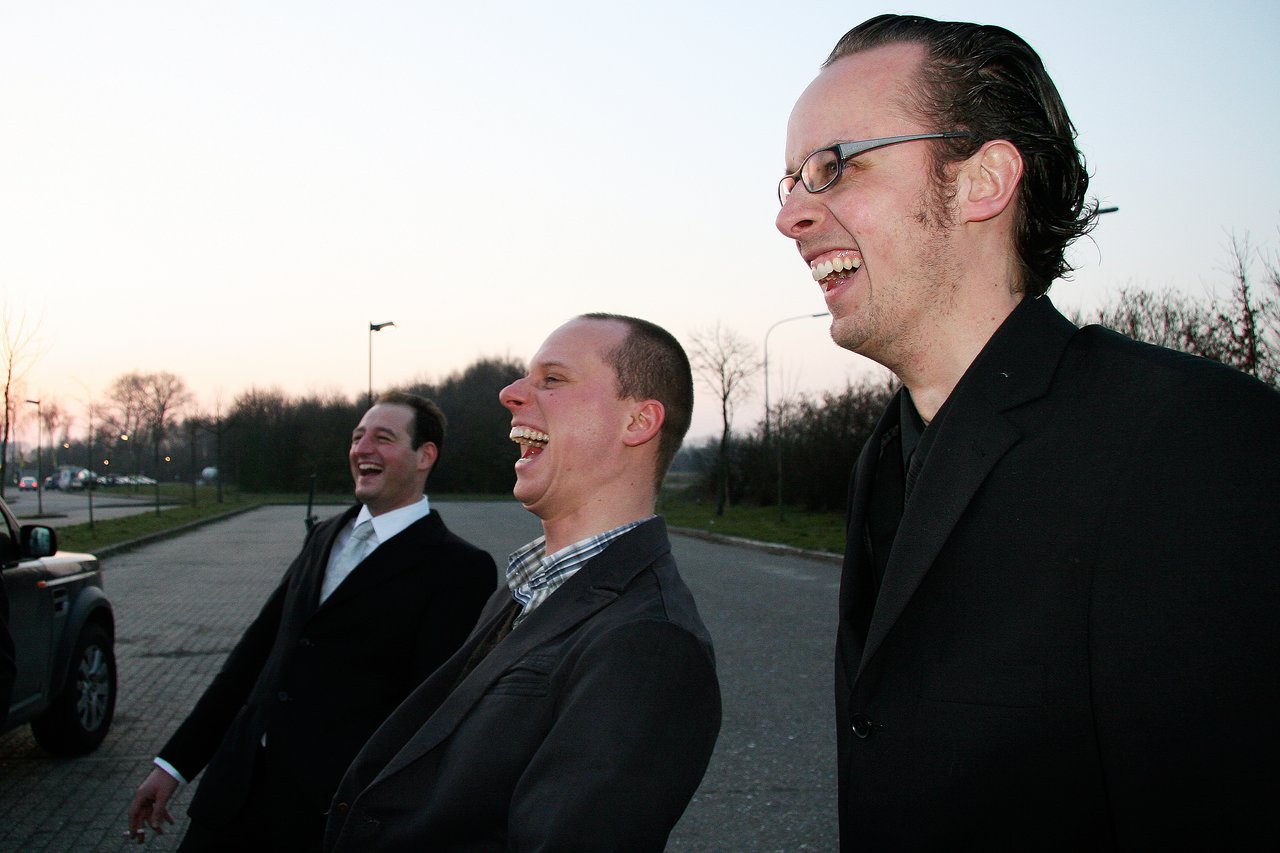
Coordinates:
30 622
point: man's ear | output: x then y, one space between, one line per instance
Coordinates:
427 455
646 422
989 181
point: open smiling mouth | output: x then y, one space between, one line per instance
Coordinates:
834 271
531 441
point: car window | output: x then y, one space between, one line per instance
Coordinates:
8 541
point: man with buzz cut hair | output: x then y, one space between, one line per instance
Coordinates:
582 711
378 598
1059 594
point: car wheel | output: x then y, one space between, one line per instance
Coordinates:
78 719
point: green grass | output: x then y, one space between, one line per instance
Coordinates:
814 531
797 528
112 531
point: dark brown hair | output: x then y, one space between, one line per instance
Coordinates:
989 81
428 421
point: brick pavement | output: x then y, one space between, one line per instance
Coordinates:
166 652
769 788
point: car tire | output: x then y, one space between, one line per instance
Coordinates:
78 719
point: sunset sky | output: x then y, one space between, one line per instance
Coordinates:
231 191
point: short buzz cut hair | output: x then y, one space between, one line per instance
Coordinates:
990 82
650 364
428 421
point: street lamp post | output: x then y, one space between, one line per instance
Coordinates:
39 459
91 484
374 327
766 395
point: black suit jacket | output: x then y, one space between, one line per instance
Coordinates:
588 728
1075 645
318 679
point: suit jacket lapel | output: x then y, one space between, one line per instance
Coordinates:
1015 367
309 587
858 586
387 558
593 587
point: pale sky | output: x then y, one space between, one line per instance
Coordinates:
232 190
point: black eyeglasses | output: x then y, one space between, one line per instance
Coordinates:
824 167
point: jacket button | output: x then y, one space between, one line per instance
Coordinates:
861 726
341 808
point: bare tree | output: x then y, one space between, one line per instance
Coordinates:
146 404
124 414
725 362
1240 328
1249 318
18 352
54 419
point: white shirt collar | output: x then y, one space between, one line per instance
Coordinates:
388 524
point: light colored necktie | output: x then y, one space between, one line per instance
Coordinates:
358 545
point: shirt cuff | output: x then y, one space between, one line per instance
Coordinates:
169 768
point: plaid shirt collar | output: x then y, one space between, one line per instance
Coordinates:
532 575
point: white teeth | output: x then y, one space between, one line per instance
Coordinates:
840 263
529 436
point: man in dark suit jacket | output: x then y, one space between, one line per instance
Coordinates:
378 598
582 711
1058 602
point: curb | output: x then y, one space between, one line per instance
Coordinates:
767 547
130 544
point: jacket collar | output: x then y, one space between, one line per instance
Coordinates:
597 584
1016 367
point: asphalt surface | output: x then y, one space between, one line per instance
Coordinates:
181 603
59 509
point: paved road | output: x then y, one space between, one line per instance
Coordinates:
63 508
770 785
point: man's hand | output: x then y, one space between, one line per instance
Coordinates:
150 805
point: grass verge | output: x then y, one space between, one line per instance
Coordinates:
113 531
813 531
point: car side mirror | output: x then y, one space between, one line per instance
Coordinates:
38 541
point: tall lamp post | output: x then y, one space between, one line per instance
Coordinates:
766 394
39 459
374 327
91 484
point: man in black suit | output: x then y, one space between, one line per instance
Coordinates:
377 599
582 711
1058 603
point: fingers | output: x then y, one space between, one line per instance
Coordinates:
150 805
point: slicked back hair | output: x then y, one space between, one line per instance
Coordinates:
428 421
650 364
990 82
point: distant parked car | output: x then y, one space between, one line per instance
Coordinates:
28 484
63 632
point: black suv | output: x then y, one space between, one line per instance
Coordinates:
64 640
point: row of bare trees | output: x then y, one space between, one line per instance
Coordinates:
805 459
277 443
1240 328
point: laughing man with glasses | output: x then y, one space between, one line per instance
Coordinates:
1059 594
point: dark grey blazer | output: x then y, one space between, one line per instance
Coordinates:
317 680
1075 646
588 728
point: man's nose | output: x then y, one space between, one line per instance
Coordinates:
800 213
513 396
